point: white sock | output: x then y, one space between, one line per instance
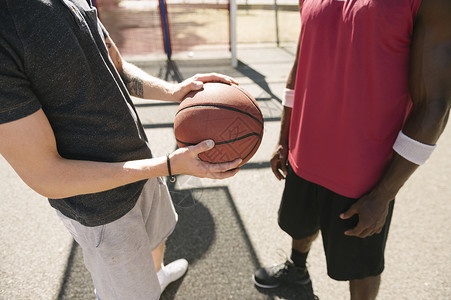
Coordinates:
162 276
172 272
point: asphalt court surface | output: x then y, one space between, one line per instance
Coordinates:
228 228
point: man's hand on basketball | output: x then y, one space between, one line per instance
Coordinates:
186 161
279 162
196 82
372 212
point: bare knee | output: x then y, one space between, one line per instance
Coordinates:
365 289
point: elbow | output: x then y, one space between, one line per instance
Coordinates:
45 187
439 112
435 117
52 194
428 120
46 180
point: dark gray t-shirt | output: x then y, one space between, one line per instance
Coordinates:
53 56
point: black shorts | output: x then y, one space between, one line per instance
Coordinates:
307 207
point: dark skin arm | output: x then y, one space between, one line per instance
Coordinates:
279 158
430 88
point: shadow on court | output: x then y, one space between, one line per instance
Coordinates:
211 236
210 233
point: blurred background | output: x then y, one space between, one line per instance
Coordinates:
197 26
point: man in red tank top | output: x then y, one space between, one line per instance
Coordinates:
367 98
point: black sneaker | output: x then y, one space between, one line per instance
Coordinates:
286 273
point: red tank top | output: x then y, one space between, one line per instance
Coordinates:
351 93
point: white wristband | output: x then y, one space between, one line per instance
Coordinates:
288 98
412 150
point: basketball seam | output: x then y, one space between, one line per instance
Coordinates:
255 145
226 141
224 107
247 96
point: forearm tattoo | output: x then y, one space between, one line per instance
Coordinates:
134 84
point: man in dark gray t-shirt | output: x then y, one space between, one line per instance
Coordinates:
67 123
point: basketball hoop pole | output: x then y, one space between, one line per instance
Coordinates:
232 7
276 11
165 28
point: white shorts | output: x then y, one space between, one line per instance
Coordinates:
119 254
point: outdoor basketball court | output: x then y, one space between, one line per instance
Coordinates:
227 228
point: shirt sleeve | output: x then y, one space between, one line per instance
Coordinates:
104 31
17 100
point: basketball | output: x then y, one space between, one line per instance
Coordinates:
228 115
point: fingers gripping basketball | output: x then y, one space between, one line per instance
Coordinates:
224 113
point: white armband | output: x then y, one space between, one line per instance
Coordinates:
412 150
288 98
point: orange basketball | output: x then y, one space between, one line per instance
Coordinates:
228 115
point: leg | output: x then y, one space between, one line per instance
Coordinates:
298 217
303 245
117 256
158 255
349 258
292 271
365 289
171 272
300 250
158 222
